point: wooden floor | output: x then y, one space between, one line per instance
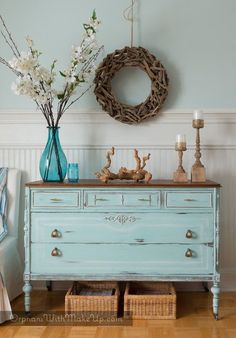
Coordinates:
194 320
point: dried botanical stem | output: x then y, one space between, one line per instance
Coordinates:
8 43
72 102
45 113
91 59
10 36
17 53
7 64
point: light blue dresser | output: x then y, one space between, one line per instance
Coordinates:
160 231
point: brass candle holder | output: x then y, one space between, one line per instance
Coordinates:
180 174
198 173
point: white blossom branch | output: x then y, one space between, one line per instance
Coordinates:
10 37
8 43
82 94
91 59
7 64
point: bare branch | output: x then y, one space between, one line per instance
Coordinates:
7 64
72 102
92 58
10 37
8 43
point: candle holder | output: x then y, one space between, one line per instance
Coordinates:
198 173
180 174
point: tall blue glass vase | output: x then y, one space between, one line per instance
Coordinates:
53 163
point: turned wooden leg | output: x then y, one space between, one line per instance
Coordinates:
216 295
27 288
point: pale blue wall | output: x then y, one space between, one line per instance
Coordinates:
195 40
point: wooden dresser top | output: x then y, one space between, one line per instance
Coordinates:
123 184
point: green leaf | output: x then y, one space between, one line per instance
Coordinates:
86 26
94 15
53 65
62 74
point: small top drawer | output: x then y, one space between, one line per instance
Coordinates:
129 199
54 199
189 199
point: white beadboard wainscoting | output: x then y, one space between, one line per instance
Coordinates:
87 135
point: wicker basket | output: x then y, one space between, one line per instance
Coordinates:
149 300
99 304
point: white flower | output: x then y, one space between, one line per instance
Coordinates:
23 86
29 41
25 63
71 77
42 74
94 23
77 54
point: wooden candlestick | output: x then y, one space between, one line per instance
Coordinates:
180 174
198 173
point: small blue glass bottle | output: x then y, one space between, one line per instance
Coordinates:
73 172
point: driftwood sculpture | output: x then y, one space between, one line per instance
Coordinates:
137 174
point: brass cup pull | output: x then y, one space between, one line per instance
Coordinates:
189 253
55 252
55 233
189 234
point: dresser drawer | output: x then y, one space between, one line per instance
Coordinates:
121 259
55 199
122 228
188 199
129 199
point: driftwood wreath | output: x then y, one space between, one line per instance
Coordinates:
131 57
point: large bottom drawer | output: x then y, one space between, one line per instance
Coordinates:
121 259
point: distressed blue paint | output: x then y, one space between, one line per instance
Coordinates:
122 233
189 200
143 259
52 199
137 228
117 198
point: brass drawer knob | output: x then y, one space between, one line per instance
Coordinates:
189 234
55 252
189 253
55 233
